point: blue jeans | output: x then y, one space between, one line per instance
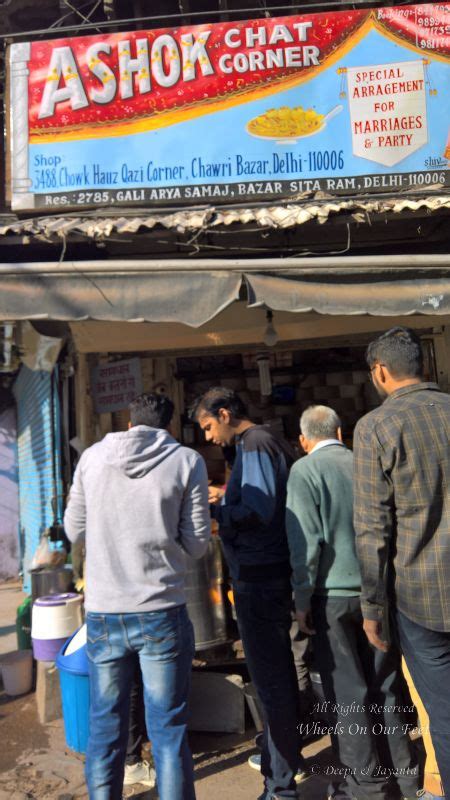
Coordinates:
164 642
427 654
263 611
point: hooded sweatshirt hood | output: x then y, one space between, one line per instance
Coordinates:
137 451
140 501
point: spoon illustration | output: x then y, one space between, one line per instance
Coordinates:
333 113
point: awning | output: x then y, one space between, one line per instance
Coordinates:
194 291
191 298
343 295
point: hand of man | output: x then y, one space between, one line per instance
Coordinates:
372 629
304 622
215 494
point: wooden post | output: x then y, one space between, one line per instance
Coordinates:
83 401
442 354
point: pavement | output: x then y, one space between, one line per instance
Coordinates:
35 763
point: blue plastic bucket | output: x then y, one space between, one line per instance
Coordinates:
74 681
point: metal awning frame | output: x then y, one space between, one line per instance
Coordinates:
194 291
336 265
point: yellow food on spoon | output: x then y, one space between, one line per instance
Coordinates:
286 121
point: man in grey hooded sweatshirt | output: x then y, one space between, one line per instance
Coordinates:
140 499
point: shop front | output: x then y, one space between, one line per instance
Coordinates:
309 151
280 361
284 334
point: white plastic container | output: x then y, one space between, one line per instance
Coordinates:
17 672
56 616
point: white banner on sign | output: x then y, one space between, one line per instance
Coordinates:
388 110
116 384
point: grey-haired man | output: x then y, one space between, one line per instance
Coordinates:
362 685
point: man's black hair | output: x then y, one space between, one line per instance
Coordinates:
400 350
219 397
154 410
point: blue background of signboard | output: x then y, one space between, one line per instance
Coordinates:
217 136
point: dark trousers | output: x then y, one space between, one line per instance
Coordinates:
263 611
427 654
137 732
301 651
364 690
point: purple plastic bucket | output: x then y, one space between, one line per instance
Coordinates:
47 649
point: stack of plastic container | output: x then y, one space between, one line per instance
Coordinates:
54 618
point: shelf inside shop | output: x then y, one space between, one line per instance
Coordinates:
239 373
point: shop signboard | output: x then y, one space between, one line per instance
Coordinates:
115 384
344 102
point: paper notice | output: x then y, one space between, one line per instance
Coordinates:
388 110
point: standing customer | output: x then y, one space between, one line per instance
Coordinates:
371 745
402 521
251 521
141 501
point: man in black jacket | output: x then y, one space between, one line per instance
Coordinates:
251 517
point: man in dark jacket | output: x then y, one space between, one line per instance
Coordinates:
402 522
251 521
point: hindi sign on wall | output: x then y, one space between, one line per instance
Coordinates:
345 102
115 384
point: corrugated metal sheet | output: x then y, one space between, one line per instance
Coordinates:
94 226
37 448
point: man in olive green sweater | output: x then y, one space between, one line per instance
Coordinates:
361 685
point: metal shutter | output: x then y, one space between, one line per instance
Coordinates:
39 459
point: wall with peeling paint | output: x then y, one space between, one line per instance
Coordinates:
9 496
